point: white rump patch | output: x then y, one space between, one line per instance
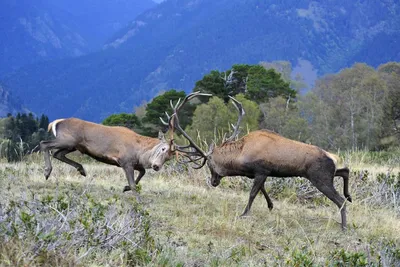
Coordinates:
54 126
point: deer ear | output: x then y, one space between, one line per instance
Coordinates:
161 136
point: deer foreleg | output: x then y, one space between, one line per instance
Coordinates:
129 172
142 172
130 176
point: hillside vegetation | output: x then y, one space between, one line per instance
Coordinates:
179 220
357 108
177 42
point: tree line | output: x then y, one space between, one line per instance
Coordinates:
357 108
21 134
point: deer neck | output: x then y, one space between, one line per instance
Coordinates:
225 159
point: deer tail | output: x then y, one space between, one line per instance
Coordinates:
52 126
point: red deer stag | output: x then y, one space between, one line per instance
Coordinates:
113 145
264 153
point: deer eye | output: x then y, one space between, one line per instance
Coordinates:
163 149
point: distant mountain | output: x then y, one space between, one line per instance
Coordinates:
99 20
33 31
8 104
175 43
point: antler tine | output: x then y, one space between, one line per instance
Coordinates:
239 107
200 165
176 105
190 96
164 122
191 160
182 148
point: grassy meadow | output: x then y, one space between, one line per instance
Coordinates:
177 219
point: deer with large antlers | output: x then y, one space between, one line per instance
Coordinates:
264 153
112 145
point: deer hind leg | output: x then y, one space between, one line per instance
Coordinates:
257 185
60 155
45 147
327 188
269 201
344 172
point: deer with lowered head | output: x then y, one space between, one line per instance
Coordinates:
264 153
112 145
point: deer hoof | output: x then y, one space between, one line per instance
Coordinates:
270 207
82 171
126 188
47 172
349 199
245 215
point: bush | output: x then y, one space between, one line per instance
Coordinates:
73 225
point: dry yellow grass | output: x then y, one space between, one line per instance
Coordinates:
197 225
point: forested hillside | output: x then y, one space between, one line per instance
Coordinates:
357 108
176 43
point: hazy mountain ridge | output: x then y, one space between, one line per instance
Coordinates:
34 31
177 42
8 104
330 35
31 33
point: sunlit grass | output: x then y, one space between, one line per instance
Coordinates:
195 224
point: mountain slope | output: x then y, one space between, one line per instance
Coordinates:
101 19
177 42
39 30
8 104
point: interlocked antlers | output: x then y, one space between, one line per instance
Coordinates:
192 151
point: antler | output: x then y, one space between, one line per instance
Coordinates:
193 160
192 144
173 122
169 123
239 107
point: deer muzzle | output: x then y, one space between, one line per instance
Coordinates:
156 167
215 182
